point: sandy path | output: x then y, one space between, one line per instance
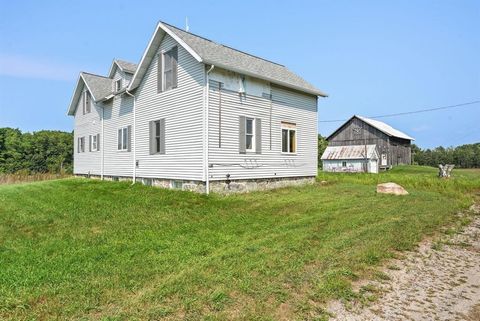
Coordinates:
433 283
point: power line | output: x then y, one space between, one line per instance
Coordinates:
408 112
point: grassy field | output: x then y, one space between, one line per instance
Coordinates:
91 250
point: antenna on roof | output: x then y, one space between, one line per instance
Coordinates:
187 27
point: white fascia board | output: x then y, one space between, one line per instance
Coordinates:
141 69
72 108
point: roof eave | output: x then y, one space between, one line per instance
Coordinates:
243 72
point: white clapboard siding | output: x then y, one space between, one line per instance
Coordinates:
182 109
286 106
118 114
85 125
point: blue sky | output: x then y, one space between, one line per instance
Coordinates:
371 57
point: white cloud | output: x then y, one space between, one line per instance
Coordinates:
26 67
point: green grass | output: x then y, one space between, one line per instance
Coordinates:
92 250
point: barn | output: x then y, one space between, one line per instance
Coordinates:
392 146
352 159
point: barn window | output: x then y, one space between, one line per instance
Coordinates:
289 138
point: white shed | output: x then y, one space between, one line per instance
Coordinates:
352 159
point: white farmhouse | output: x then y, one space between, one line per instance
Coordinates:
196 115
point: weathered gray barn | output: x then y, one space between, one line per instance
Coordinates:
393 146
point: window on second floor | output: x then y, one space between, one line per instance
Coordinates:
87 108
118 85
167 70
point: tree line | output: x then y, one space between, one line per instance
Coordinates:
45 151
51 151
464 156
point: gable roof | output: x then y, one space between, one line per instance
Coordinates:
387 129
98 86
125 66
381 126
209 52
349 152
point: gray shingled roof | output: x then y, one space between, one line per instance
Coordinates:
99 86
235 60
126 66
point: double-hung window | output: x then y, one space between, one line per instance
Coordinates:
86 103
157 136
123 138
94 142
81 144
167 70
249 134
118 85
289 138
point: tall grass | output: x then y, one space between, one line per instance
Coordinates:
24 177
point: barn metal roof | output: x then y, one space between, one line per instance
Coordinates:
349 152
387 129
210 52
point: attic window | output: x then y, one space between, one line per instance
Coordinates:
118 84
86 103
167 70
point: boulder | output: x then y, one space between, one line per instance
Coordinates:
391 188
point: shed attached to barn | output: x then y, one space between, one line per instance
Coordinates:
352 159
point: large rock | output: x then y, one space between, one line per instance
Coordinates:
391 188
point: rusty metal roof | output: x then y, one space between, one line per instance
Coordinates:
350 152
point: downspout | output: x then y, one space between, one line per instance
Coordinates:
134 150
102 147
207 180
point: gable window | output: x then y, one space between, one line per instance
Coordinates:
289 138
249 134
157 136
123 139
86 102
167 70
81 144
118 85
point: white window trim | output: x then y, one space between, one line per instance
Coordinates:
118 84
251 150
94 149
164 82
81 142
288 140
85 96
122 129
